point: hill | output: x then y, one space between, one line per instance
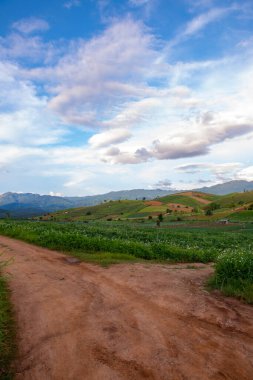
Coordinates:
28 204
189 205
228 187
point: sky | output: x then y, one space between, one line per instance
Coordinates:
101 95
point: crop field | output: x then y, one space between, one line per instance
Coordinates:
114 242
186 243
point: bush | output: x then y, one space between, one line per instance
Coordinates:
234 274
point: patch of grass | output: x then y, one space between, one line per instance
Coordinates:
193 267
181 199
7 332
234 274
242 216
236 199
120 208
106 258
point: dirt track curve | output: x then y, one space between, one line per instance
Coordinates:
80 321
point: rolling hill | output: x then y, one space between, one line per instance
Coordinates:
186 206
28 204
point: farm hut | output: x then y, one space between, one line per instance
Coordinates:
223 221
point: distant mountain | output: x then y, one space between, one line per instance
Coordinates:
228 188
28 204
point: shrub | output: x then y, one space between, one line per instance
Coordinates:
234 274
160 217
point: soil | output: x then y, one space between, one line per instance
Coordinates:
179 207
134 321
153 203
198 197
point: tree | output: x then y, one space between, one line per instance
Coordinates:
160 217
208 212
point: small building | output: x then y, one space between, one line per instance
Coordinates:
223 221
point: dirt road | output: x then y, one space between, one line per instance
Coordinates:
79 321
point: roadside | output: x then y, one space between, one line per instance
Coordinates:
7 331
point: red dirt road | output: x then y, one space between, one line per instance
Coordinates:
80 321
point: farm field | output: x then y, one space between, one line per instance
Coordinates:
173 242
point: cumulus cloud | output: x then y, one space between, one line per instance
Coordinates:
24 117
104 71
195 144
219 171
30 25
120 157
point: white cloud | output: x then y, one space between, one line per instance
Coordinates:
246 174
103 73
24 117
109 137
53 194
201 21
198 23
31 25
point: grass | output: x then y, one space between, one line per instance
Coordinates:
242 216
234 274
150 209
105 259
182 199
114 209
235 199
7 332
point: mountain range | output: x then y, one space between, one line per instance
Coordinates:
26 205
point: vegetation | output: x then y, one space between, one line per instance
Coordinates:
187 206
242 216
234 274
7 332
144 241
181 199
123 231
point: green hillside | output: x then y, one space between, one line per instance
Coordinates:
236 199
191 199
107 210
182 206
242 216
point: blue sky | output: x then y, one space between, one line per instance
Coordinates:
100 95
